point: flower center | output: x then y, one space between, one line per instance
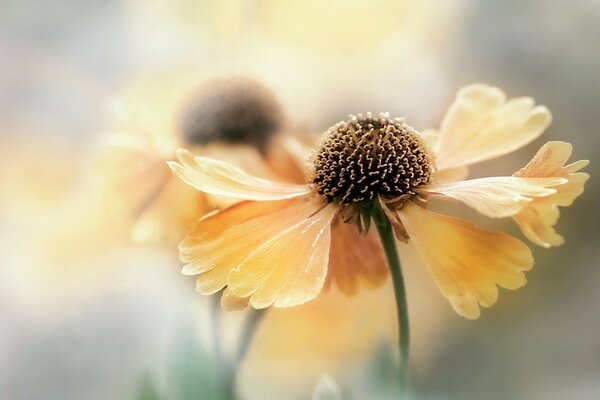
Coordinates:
365 157
232 110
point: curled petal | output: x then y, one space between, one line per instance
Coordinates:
538 218
481 124
224 179
466 262
362 261
497 197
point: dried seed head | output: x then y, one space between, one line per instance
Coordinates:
232 110
366 157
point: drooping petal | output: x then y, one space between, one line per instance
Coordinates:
270 252
466 262
481 124
538 218
497 197
214 259
221 240
224 179
355 258
288 269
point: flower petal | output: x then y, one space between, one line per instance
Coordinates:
450 174
222 239
231 302
169 213
538 218
363 261
289 268
430 137
482 124
224 179
215 258
465 261
288 155
497 197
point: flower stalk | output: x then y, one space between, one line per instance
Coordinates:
386 234
231 371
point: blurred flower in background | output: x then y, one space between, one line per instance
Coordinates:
88 313
228 118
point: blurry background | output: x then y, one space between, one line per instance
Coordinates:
85 314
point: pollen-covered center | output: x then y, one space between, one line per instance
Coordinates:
366 156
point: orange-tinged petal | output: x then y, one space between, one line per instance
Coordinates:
222 239
290 268
355 258
481 124
466 262
497 197
224 179
538 218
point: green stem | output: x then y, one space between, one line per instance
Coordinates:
248 332
215 314
386 234
250 326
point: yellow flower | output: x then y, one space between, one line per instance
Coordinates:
172 111
285 242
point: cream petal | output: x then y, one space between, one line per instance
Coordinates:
290 268
538 218
430 137
576 166
466 262
481 124
548 161
497 197
451 174
245 157
362 262
224 179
